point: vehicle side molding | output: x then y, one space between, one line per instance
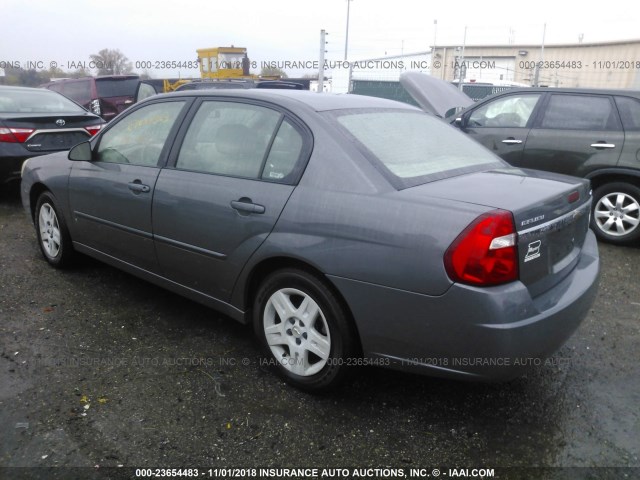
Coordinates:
81 152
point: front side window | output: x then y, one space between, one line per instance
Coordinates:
579 112
233 139
511 111
414 147
138 138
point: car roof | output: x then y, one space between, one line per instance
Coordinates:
316 101
592 91
23 89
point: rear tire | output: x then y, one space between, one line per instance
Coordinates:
616 213
304 330
51 229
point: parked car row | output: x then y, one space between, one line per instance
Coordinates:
348 230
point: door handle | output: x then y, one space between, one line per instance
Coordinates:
603 145
137 187
244 205
512 141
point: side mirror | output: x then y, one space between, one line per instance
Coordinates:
81 152
458 122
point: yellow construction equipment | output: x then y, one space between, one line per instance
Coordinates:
224 62
169 86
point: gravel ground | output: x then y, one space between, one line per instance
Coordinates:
97 370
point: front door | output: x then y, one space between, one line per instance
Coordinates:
111 196
502 125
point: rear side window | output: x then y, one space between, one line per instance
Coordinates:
414 147
241 140
579 112
284 154
629 109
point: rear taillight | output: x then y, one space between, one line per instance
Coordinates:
15 135
93 129
94 106
485 253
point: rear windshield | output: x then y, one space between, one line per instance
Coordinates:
36 101
112 87
412 147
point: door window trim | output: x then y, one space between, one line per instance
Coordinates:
538 123
532 118
299 125
164 153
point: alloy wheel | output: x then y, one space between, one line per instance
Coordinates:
49 230
617 214
297 332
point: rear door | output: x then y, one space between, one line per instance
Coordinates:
111 196
575 134
503 124
232 176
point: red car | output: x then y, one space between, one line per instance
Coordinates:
106 96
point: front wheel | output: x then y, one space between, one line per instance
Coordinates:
51 230
616 213
304 330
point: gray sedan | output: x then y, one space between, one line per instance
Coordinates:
348 230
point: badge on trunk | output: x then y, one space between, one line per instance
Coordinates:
533 251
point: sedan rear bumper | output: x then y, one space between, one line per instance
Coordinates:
11 160
492 333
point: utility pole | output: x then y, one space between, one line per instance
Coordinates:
346 40
321 69
435 34
536 82
463 69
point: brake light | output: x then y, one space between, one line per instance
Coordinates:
485 253
15 135
93 129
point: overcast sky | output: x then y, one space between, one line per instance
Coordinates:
63 31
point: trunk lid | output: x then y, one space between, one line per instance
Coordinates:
52 132
434 96
551 214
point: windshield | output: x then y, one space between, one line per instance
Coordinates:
414 147
36 101
113 87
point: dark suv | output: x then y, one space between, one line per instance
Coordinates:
106 96
581 132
